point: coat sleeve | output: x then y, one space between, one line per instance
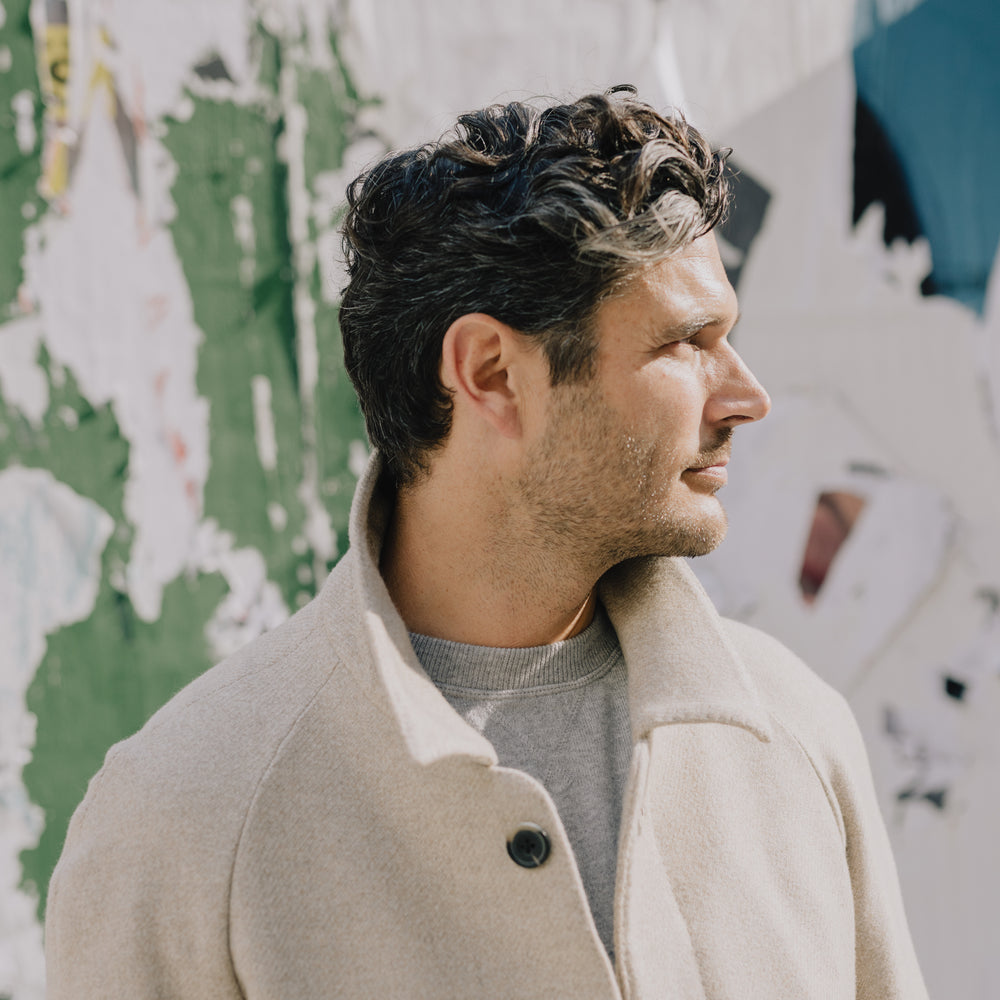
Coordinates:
131 913
886 963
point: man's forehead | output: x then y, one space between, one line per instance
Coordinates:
688 290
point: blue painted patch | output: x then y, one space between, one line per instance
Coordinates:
932 81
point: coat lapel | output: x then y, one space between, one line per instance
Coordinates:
681 665
363 621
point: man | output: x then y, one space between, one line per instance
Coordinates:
510 750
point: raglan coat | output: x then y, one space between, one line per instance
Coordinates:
311 819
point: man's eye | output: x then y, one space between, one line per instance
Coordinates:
691 341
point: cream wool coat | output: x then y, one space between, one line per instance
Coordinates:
311 819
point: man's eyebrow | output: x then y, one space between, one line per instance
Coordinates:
695 323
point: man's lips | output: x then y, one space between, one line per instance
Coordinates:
714 470
710 462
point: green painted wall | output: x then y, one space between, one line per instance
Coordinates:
101 677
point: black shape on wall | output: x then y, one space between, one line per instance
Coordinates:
937 797
744 221
879 177
213 68
955 688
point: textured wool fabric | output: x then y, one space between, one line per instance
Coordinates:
311 818
559 713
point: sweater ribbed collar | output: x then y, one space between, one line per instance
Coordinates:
485 671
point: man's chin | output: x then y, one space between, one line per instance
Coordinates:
700 538
703 549
684 540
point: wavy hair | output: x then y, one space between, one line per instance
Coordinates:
532 215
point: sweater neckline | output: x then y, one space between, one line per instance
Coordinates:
460 667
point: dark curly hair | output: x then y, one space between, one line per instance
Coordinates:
530 215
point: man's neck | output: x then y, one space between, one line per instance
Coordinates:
460 571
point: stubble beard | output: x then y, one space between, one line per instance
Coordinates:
599 496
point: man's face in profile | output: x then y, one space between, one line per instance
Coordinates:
630 461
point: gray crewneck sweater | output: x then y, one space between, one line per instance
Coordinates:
560 713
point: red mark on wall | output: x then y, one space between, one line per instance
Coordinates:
177 447
157 309
835 516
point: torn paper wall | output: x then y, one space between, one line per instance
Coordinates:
812 445
22 381
154 290
116 312
885 392
51 541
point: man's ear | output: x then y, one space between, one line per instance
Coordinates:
490 368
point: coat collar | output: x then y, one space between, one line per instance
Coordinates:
365 626
681 666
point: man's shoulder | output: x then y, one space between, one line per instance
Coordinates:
164 819
796 697
772 663
209 746
251 697
244 701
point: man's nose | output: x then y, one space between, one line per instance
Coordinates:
739 397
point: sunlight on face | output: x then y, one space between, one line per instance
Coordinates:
629 463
